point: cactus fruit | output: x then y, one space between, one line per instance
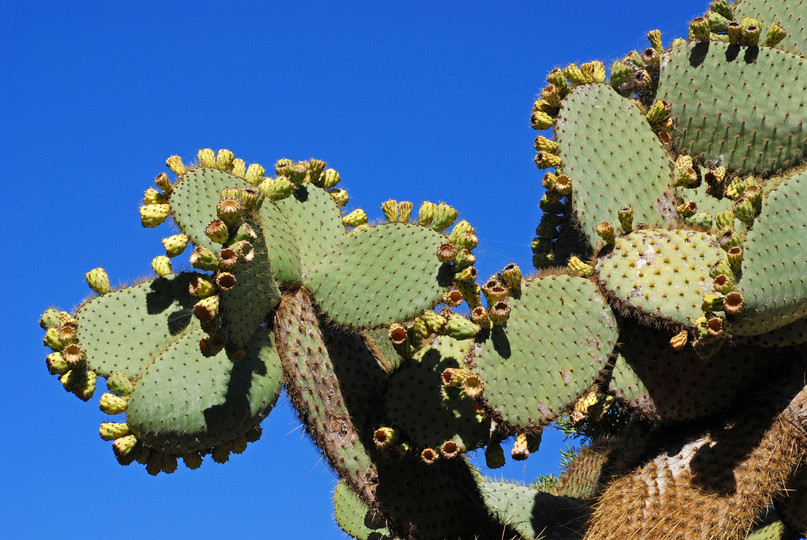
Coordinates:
667 323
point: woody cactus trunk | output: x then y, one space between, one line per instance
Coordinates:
666 323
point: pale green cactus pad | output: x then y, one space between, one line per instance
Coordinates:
355 518
739 106
282 248
534 514
773 282
194 198
186 402
605 140
317 395
415 406
315 222
247 304
558 337
384 274
125 330
791 15
661 273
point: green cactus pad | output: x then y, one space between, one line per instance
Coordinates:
247 304
740 106
535 514
315 221
283 250
770 527
627 386
414 402
558 337
194 198
661 273
384 274
126 329
613 158
773 282
790 15
668 385
186 402
317 395
355 518
378 341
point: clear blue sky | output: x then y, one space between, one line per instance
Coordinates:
408 100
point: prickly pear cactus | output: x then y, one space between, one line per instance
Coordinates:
667 325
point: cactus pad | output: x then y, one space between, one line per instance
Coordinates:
247 304
194 198
668 385
771 528
282 248
791 334
315 221
627 386
383 274
186 402
378 341
738 106
613 157
355 518
662 273
534 514
558 337
773 282
414 403
124 330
